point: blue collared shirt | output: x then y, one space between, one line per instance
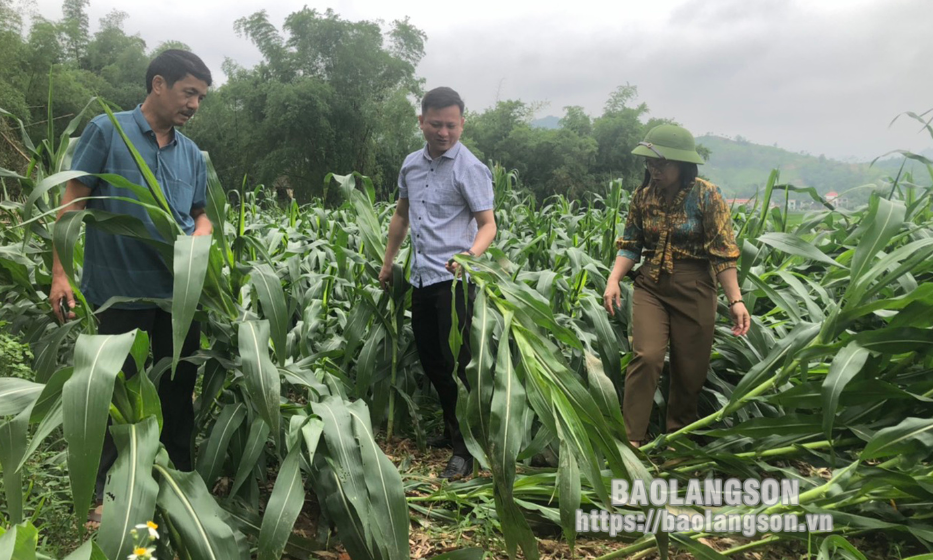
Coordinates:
443 194
115 265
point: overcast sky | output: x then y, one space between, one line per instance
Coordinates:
822 76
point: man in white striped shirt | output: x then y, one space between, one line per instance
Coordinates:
446 198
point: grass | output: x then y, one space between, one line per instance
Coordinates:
794 219
47 499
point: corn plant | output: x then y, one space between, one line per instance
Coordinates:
307 363
241 405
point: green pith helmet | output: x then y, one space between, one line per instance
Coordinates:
669 141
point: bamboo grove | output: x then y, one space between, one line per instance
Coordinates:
307 366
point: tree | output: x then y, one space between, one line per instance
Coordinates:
42 51
490 129
577 121
74 28
119 59
10 20
552 161
557 161
168 45
330 95
12 62
617 132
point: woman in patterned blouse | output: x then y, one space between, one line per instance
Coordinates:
682 227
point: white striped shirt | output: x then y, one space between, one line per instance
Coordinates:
443 195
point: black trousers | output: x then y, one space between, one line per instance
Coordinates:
431 324
175 394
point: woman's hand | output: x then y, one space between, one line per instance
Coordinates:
613 296
741 320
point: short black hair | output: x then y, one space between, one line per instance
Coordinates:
441 98
174 65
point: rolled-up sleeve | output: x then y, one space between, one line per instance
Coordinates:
633 239
719 237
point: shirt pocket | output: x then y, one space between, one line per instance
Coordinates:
444 201
179 192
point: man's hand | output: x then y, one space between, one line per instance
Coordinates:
202 224
73 200
60 290
453 266
385 276
398 229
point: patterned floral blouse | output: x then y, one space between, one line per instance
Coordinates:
697 225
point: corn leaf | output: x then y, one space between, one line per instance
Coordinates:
85 403
130 494
262 378
187 503
288 496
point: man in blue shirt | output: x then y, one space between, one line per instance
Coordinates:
114 265
446 198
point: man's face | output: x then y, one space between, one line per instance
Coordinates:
181 101
442 128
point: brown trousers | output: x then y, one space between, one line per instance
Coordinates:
680 310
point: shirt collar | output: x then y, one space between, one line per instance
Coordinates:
452 153
144 126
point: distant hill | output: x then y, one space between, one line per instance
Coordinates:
740 168
546 122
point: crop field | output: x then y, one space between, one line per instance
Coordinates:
312 412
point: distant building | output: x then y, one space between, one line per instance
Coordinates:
837 201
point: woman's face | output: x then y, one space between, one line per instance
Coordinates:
664 173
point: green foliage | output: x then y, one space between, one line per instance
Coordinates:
110 63
15 357
80 398
307 358
569 159
329 95
74 27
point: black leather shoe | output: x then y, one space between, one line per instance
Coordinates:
458 467
441 442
